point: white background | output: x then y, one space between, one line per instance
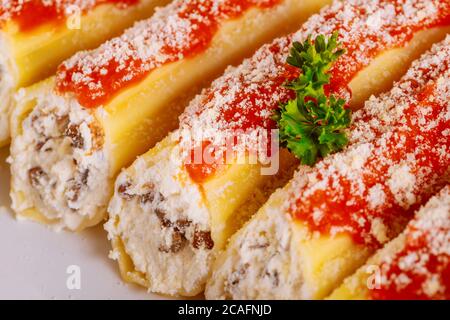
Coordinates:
34 259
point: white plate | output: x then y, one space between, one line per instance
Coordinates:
34 260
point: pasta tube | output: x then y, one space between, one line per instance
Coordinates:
36 35
413 266
329 219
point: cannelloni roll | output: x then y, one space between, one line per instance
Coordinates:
330 218
73 132
37 35
173 210
415 265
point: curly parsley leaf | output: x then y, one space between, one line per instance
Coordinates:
313 124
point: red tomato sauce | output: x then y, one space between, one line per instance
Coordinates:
421 269
34 13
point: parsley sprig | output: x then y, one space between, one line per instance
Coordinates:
313 124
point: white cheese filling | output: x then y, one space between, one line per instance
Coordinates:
261 262
59 163
159 215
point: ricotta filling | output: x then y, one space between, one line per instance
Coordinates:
59 163
159 215
261 262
